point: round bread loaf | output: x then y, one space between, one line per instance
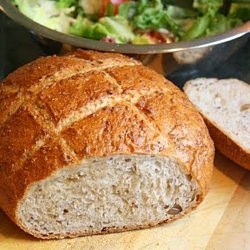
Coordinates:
94 142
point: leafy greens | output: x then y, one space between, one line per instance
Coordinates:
138 22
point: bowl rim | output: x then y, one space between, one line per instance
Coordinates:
10 10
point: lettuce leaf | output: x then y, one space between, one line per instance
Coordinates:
210 20
113 27
208 6
85 28
47 13
148 15
66 3
118 28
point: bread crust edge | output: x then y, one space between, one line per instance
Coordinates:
227 146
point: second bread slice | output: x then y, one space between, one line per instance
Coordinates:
225 105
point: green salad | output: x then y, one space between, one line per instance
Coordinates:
136 22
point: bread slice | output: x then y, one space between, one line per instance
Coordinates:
225 105
95 142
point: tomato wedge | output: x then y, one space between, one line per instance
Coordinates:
105 4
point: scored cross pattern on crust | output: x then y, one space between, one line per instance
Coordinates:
41 100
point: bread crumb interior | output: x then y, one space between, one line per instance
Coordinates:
120 191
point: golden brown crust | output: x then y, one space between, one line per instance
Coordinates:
176 118
137 78
109 129
64 109
75 92
18 134
97 56
228 147
33 72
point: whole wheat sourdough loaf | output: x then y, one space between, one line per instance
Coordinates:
225 105
94 142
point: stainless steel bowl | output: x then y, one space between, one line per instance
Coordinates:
40 30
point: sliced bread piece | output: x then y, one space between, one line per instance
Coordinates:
225 105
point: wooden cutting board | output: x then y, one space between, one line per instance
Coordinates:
222 221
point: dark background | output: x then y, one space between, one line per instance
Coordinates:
19 46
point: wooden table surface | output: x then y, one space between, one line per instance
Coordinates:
222 221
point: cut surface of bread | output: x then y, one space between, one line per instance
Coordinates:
102 194
95 142
226 106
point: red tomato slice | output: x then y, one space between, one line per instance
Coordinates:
105 4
